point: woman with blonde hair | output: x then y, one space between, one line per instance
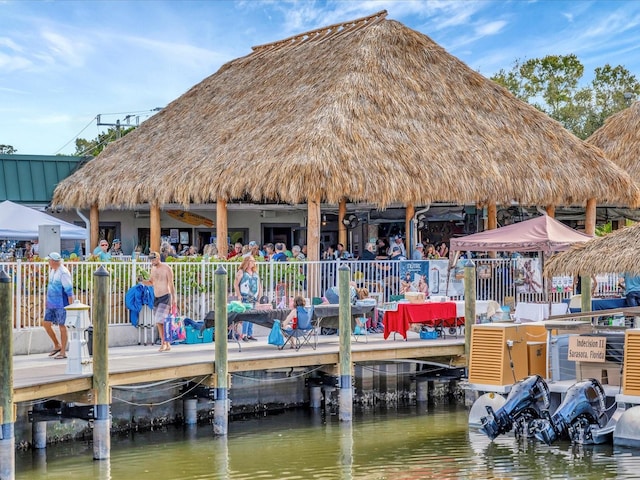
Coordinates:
210 250
248 289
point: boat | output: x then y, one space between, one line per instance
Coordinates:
598 403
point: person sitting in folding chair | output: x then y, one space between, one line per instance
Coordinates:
298 328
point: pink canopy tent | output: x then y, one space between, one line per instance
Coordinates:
540 234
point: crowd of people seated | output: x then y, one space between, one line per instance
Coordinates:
394 249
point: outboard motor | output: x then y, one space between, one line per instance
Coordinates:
525 403
583 408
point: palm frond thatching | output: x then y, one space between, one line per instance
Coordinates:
618 251
619 139
370 111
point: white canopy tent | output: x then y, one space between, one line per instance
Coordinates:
18 222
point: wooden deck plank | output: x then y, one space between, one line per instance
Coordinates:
39 376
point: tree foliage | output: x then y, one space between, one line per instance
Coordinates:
7 149
94 147
553 85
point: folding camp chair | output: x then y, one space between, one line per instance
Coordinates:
305 331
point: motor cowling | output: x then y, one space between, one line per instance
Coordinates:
583 407
525 403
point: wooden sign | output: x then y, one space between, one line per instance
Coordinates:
587 349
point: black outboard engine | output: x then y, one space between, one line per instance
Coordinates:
525 403
583 408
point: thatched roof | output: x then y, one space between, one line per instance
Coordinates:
615 252
619 139
370 111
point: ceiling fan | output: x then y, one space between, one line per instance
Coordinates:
422 222
351 221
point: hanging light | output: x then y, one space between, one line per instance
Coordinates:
324 220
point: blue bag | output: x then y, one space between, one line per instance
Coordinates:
275 336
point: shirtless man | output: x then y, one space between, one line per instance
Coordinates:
165 295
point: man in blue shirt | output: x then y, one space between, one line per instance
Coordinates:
418 252
59 295
279 256
632 289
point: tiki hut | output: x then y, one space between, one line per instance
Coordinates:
615 252
619 139
365 111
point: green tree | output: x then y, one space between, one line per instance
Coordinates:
94 147
552 85
7 149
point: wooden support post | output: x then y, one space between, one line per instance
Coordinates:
101 423
154 227
585 280
222 230
492 221
344 313
7 410
313 248
492 216
551 210
221 404
94 229
342 229
469 305
409 237
313 229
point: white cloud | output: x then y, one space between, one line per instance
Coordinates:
10 63
61 48
13 90
491 28
10 44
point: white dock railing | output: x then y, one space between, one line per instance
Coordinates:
194 280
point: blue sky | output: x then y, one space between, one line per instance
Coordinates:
64 62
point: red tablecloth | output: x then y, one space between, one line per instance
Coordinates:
430 313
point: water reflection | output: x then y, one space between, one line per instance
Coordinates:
102 469
346 451
417 442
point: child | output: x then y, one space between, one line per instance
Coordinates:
287 323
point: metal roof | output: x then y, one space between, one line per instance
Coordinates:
32 178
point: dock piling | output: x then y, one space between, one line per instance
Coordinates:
315 396
190 411
39 435
101 422
346 377
422 390
469 304
221 403
7 408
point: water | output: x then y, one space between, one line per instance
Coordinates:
400 444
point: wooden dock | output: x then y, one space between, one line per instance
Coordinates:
39 376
